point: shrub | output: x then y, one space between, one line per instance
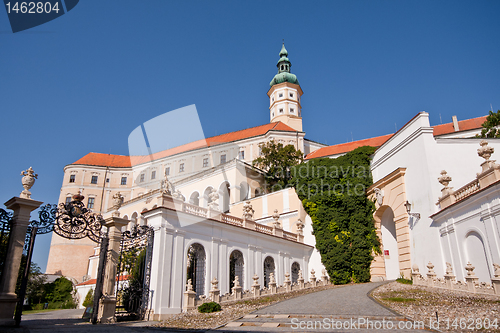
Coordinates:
209 307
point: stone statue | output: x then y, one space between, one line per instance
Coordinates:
166 186
485 151
248 211
300 227
449 269
379 195
276 217
214 198
497 270
178 195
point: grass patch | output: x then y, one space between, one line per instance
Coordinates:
38 311
404 281
399 299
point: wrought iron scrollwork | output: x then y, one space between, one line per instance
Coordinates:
75 221
47 214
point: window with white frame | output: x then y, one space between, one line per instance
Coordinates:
205 162
222 158
153 174
141 178
91 203
167 171
124 181
93 180
241 155
72 178
181 167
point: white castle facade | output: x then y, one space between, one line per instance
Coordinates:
214 184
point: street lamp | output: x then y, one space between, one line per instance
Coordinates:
407 205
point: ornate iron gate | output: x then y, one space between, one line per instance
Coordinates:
5 226
132 290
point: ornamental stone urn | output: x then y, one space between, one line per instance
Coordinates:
28 181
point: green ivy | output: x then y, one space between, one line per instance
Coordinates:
209 307
333 193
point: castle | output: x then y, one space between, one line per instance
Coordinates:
216 175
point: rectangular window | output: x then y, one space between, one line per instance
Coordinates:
167 171
153 174
222 158
291 95
281 95
181 167
141 178
68 200
241 155
124 181
94 180
91 203
205 162
107 180
281 110
72 178
291 110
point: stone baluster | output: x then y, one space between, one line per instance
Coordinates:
471 278
214 293
300 280
313 278
495 282
449 277
256 286
324 277
287 283
272 283
277 229
415 275
189 297
431 275
237 288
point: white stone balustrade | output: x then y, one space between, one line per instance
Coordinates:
449 281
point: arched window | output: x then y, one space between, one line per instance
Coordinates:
236 263
196 260
268 269
295 272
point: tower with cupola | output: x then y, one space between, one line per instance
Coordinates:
284 95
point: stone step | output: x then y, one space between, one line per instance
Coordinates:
320 323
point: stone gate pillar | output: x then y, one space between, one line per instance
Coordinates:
22 208
107 305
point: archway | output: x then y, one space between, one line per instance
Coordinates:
295 272
476 255
244 193
390 245
224 195
194 199
196 262
236 265
206 196
268 269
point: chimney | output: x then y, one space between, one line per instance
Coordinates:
455 123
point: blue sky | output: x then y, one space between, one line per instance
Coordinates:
83 82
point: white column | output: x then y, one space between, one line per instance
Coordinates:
178 272
223 267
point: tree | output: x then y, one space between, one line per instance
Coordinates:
35 288
333 193
89 298
490 129
277 160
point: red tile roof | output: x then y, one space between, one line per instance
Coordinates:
463 125
120 161
348 146
93 281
